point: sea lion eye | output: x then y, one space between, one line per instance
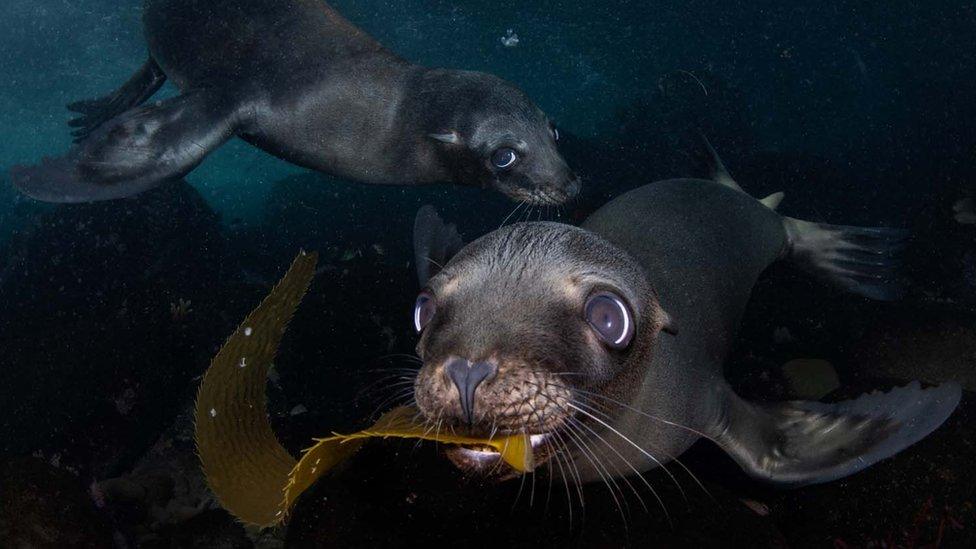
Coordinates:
504 157
610 319
423 310
555 133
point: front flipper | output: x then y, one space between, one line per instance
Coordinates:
798 443
434 243
95 112
133 152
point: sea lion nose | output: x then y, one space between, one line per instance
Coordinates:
466 377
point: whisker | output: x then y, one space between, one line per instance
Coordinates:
519 205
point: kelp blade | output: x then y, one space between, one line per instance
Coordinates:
245 465
249 471
515 450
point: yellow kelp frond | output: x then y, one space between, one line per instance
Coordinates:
515 450
247 469
245 465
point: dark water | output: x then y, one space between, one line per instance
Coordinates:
863 113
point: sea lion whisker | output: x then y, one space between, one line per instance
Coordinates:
648 454
571 422
515 209
548 448
666 422
634 469
636 446
391 399
578 424
647 415
553 447
572 466
601 470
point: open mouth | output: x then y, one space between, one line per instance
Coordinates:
487 460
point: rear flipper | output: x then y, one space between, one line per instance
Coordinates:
798 443
95 112
135 151
860 260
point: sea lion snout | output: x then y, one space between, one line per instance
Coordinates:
467 376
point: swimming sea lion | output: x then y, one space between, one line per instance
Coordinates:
296 79
556 331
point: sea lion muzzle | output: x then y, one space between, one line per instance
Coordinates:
467 376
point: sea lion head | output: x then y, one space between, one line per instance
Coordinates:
524 327
487 132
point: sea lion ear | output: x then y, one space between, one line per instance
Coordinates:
451 137
434 243
668 324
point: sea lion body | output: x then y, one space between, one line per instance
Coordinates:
297 90
606 342
703 246
296 79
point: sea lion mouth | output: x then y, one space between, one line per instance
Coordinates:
486 461
544 195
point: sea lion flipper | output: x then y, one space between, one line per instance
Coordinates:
95 112
798 443
861 260
434 242
134 151
717 171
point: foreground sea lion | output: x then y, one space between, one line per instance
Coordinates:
296 79
556 331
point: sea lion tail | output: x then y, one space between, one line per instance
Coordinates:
800 442
95 112
135 151
861 260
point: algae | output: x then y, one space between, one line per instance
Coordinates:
252 475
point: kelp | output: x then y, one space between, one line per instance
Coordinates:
252 475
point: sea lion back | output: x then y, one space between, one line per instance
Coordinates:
702 244
204 40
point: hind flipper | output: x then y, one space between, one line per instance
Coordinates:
434 243
135 151
799 443
95 112
861 260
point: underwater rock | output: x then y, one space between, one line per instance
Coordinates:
930 346
42 506
92 350
810 379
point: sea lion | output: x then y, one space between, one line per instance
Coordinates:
296 79
606 342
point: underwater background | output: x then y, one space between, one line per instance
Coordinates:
864 113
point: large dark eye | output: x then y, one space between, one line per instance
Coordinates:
610 319
504 158
423 310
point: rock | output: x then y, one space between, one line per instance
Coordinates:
42 506
92 354
810 378
398 495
